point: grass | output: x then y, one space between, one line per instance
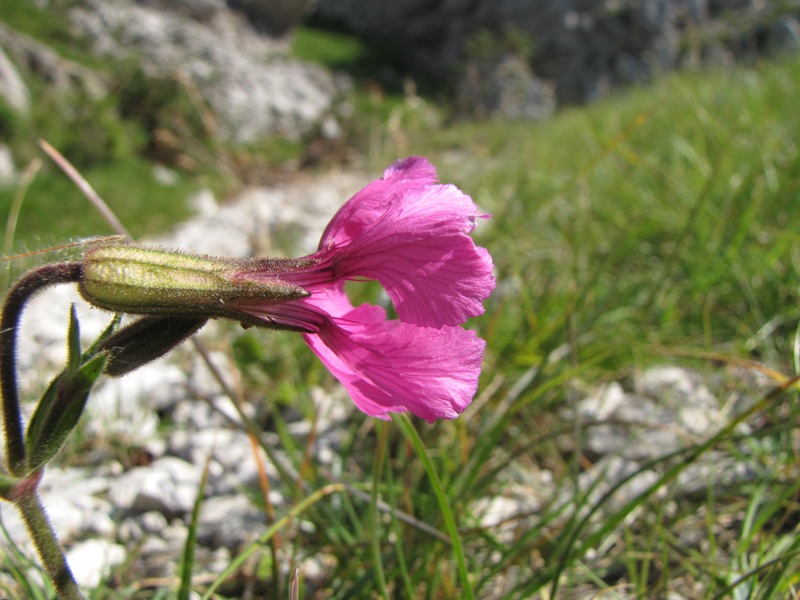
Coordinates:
664 214
663 221
659 226
49 214
45 24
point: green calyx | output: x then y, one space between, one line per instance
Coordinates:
153 281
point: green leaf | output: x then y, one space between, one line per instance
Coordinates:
73 341
412 437
65 410
74 359
39 417
62 403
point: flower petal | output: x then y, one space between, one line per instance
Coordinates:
413 236
402 177
419 249
433 282
388 366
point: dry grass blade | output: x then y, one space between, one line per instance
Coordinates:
86 188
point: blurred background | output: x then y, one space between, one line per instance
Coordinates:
225 94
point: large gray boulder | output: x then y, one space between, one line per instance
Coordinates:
251 85
585 47
506 87
275 17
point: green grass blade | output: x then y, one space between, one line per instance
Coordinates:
271 531
412 436
376 528
187 558
402 562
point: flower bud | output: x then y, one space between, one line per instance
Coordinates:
154 281
148 338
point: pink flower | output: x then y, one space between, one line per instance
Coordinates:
412 235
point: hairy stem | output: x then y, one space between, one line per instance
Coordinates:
31 282
46 542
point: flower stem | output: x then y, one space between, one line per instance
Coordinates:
30 283
46 542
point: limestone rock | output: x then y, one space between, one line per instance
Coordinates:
253 88
13 90
229 521
43 62
505 87
669 408
169 485
584 48
91 561
8 171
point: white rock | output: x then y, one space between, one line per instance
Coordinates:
154 545
316 568
79 514
204 204
608 472
233 464
70 498
129 531
602 404
288 218
333 409
155 386
12 87
718 469
124 409
674 386
92 560
229 521
495 511
670 408
251 86
153 522
203 383
16 535
210 413
8 171
168 485
218 560
164 176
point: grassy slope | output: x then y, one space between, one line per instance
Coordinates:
663 220
659 222
664 215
